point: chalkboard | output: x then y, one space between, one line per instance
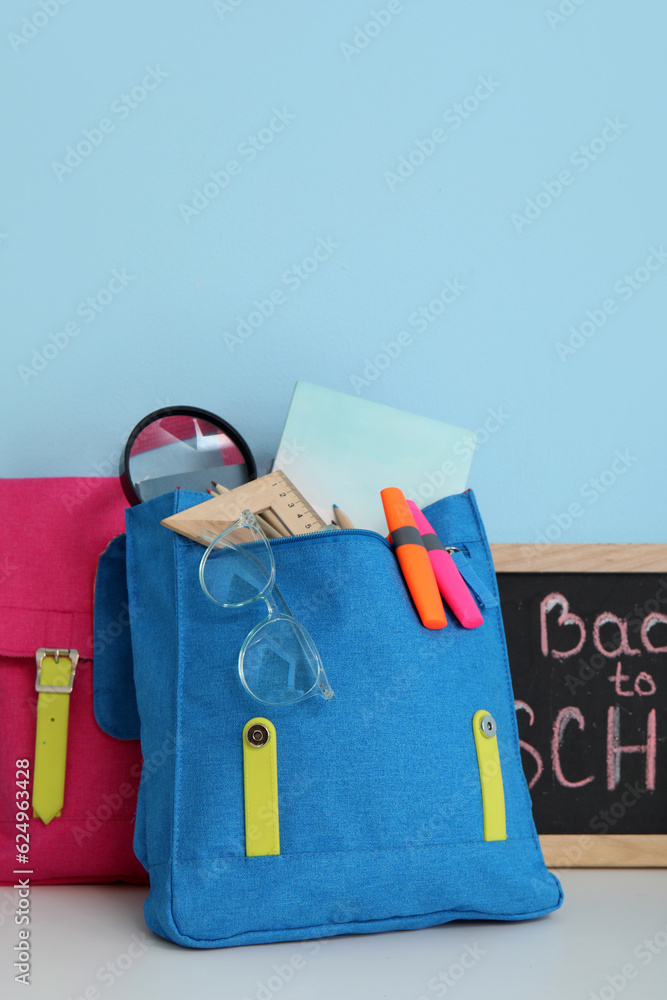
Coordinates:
588 657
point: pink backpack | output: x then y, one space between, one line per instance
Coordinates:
53 532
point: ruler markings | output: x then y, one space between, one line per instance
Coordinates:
272 492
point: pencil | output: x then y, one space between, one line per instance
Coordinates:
274 522
267 528
342 519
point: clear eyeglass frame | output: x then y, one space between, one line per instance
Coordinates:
278 662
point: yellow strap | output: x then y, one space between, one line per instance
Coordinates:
490 776
260 784
48 787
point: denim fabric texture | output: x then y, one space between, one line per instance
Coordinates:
379 791
114 697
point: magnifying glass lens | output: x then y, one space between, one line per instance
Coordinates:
186 451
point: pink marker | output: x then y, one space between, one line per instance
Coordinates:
451 584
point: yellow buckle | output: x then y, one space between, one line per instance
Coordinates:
71 654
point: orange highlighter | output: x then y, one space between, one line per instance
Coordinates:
413 558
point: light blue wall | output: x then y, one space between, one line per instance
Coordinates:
219 73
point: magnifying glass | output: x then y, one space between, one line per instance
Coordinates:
183 446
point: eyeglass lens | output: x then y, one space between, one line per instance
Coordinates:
278 664
234 572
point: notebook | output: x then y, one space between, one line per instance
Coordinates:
343 449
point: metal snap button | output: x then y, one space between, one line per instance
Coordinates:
487 725
257 735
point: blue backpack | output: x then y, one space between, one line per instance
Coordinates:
399 804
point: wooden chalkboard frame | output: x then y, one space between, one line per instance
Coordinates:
590 850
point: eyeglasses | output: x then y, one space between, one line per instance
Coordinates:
278 662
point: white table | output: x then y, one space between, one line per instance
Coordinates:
94 937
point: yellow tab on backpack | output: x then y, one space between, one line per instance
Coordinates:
260 785
490 775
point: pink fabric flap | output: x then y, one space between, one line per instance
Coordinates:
24 630
52 533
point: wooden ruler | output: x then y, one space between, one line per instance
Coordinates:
274 492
